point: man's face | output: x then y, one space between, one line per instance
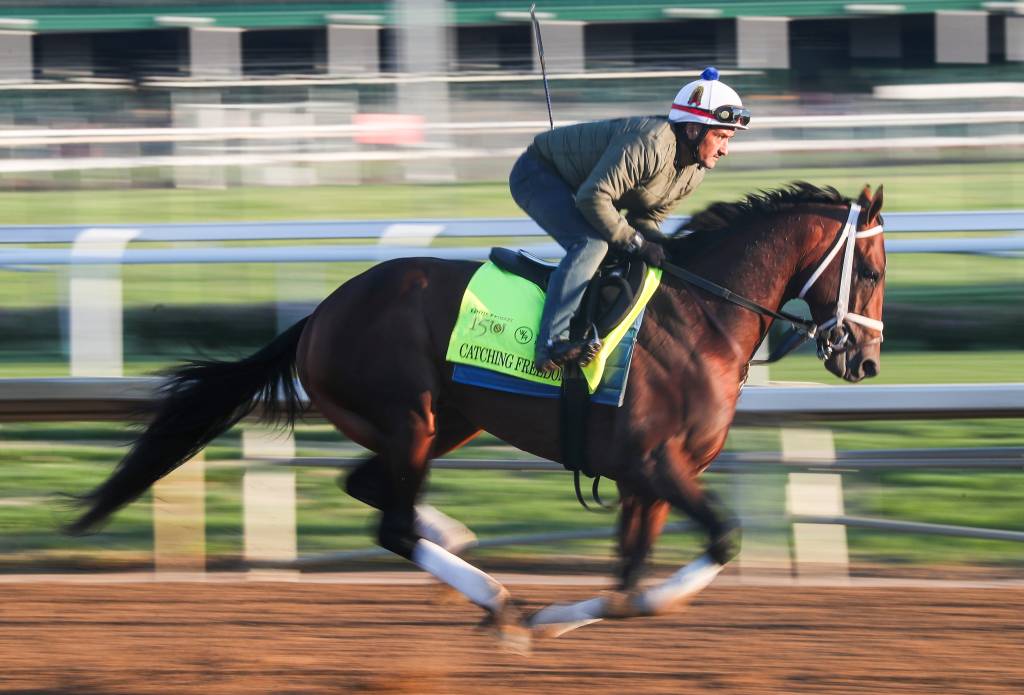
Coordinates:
714 145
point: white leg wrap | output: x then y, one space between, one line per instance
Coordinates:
688 581
477 586
561 618
437 527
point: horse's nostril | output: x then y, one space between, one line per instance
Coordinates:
870 368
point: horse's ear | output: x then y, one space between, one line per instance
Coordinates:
876 205
865 196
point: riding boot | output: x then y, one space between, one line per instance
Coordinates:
558 353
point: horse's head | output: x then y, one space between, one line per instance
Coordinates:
845 291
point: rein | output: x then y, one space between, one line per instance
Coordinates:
830 338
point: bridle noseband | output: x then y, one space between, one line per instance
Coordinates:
833 335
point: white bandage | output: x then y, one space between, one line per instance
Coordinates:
685 583
437 527
476 585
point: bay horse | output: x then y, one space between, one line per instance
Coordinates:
371 358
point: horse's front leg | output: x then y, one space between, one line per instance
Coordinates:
640 522
669 474
675 476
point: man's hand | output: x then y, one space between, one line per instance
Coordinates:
652 254
649 252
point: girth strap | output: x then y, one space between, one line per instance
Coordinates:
575 407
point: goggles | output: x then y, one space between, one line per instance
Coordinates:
732 114
729 115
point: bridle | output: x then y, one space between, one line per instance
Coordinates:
832 335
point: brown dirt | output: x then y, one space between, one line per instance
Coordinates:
311 638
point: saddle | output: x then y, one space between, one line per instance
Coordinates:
610 295
608 298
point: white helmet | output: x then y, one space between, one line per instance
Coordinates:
710 102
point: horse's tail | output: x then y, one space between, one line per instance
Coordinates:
201 400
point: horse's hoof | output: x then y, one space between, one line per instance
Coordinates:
557 619
508 626
515 638
553 630
621 604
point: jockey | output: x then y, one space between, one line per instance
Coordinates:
574 180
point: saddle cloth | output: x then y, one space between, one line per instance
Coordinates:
492 343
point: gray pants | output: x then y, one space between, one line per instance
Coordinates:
545 197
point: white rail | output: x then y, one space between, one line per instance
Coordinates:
95 399
114 398
326 156
414 232
24 137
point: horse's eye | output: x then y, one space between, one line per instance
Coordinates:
869 274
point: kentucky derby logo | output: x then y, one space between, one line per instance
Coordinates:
696 95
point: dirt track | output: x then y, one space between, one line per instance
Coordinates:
302 638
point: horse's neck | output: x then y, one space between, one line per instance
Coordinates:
759 265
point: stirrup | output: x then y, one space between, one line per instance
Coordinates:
582 352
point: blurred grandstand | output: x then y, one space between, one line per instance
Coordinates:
191 93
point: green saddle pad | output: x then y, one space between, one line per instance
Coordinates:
498 320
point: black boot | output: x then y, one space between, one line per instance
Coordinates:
562 352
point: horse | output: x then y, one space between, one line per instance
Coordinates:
371 358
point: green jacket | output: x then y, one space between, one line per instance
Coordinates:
634 164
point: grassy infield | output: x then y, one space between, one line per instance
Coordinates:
500 503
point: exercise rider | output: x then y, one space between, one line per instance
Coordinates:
574 180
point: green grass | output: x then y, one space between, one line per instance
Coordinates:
913 368
493 504
911 278
923 187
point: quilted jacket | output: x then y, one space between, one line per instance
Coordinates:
633 164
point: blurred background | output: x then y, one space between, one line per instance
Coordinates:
182 179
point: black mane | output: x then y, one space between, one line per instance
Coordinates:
716 221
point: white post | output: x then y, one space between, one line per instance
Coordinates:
762 42
201 108
961 37
215 53
353 49
761 504
15 56
819 549
564 47
335 106
269 503
97 339
1014 30
424 50
286 173
179 519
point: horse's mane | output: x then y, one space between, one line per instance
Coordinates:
716 222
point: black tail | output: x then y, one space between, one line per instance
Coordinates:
200 401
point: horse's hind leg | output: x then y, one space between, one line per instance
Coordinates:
369 483
409 438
